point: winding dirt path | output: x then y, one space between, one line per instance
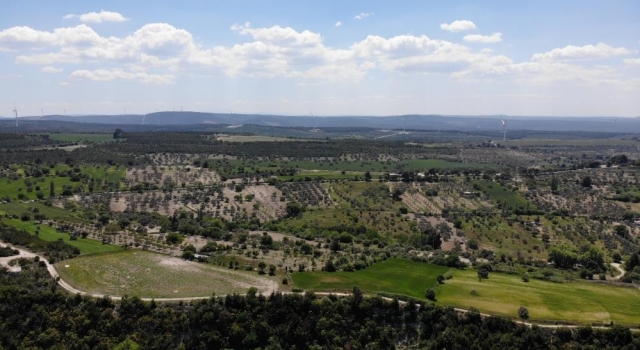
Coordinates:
54 273
618 266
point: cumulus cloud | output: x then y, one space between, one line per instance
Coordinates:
49 69
338 24
458 26
632 62
102 16
157 53
98 17
363 15
487 39
587 52
108 75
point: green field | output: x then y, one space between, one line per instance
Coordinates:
395 276
13 188
501 195
18 208
86 245
80 137
104 174
146 274
501 294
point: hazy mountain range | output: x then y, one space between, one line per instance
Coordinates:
410 122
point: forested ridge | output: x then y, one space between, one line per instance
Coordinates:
35 315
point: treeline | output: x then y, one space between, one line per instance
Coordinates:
195 143
94 154
33 316
53 251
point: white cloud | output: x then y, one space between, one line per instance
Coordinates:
102 16
632 62
587 52
487 39
458 26
108 75
63 84
338 24
70 16
49 69
363 15
157 53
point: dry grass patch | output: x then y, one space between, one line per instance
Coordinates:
146 274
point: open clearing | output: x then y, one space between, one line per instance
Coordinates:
151 275
501 294
49 234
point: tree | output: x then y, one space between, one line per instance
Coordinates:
174 238
396 194
329 266
562 256
294 209
586 182
554 184
632 262
118 134
367 176
621 230
440 279
483 273
617 258
272 270
523 313
261 266
430 294
52 189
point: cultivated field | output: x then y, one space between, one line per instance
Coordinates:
501 294
146 274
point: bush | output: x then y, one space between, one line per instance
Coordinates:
430 294
523 313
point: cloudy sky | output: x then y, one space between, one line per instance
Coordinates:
542 58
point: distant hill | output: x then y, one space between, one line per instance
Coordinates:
411 122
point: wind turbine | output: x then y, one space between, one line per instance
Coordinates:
314 120
504 130
15 111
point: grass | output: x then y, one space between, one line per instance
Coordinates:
18 208
12 188
80 137
359 204
146 274
49 234
501 294
501 195
395 276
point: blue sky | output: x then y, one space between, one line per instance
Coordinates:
543 58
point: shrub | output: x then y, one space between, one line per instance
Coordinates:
430 294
